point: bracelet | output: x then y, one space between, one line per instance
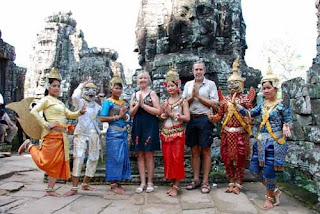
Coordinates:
114 118
47 126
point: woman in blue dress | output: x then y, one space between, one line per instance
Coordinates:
270 150
115 112
144 108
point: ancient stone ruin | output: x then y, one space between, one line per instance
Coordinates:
177 33
303 156
61 44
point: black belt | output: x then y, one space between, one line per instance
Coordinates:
198 115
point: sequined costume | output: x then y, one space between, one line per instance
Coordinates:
173 139
86 135
118 163
270 150
234 148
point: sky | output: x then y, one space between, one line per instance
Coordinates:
111 24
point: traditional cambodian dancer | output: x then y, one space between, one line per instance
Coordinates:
234 147
53 154
270 150
145 107
175 111
115 112
86 136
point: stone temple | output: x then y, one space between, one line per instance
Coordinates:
170 34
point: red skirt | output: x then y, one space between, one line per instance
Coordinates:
173 156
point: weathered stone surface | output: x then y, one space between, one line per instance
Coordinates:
29 194
9 204
201 211
11 186
118 207
45 205
161 209
223 199
304 120
156 197
195 200
314 91
297 132
315 106
86 204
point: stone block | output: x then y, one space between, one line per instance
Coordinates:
293 87
12 186
304 120
297 132
314 134
315 106
314 91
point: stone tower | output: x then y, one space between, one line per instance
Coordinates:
179 32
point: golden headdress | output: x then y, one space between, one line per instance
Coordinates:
235 76
270 76
115 79
91 85
172 76
54 74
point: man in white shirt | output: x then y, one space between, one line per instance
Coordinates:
202 97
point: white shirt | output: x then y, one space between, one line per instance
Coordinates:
208 89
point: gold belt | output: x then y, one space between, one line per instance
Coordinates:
234 129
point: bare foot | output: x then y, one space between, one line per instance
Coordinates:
277 194
69 193
236 190
117 188
54 194
169 190
174 191
87 187
268 204
230 188
24 146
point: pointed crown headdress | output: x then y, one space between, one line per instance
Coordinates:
235 76
54 74
270 76
172 76
115 79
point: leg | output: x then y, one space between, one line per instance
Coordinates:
11 132
85 185
74 189
50 191
25 146
206 160
150 168
195 163
230 174
116 188
142 171
2 133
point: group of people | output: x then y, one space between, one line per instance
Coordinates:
7 128
185 119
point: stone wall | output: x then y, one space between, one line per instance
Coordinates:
304 145
180 32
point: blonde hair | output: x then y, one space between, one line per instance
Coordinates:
144 72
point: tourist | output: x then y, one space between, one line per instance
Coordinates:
202 96
270 149
7 128
53 155
175 111
235 130
86 136
144 108
115 112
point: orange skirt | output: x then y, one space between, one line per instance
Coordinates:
50 156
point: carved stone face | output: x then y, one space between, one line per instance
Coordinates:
89 94
194 24
234 86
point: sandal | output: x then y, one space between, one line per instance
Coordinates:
230 188
205 188
176 189
276 194
140 189
271 200
193 185
150 188
169 190
116 188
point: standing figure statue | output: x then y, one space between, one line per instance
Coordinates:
269 152
235 130
86 136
